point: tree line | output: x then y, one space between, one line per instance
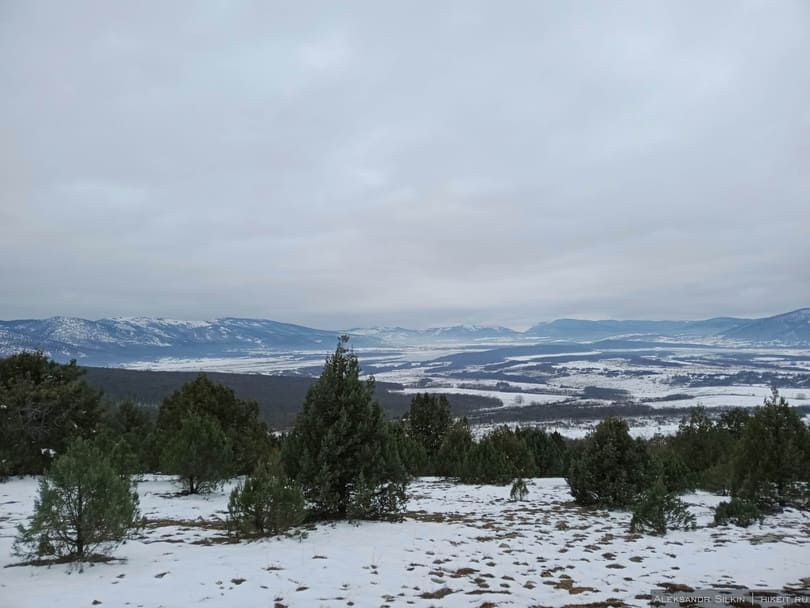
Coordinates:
344 459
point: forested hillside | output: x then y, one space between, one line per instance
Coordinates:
279 397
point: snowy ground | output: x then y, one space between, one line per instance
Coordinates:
660 376
458 546
646 427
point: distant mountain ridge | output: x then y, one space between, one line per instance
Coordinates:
788 328
597 330
117 340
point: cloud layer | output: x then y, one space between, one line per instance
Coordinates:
411 164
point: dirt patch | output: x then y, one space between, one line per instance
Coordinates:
436 595
567 583
673 587
207 524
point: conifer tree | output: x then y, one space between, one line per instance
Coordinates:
411 452
610 468
455 450
429 420
699 445
548 450
486 464
83 507
44 405
340 450
773 457
126 434
656 510
238 419
519 490
199 453
266 502
498 458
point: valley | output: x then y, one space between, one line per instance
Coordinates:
564 375
561 386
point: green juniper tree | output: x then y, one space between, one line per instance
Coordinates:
455 450
428 421
519 490
772 460
610 467
43 406
411 452
657 510
238 419
498 457
548 450
737 511
199 453
485 463
126 434
84 507
267 502
340 449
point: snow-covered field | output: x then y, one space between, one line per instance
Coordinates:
641 426
458 546
659 376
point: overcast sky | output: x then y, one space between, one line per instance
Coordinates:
411 163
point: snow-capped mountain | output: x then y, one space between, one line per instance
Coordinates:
106 341
788 328
123 339
578 329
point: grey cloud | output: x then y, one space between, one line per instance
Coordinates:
408 164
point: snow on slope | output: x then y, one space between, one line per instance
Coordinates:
112 341
459 546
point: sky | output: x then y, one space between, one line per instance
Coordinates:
404 163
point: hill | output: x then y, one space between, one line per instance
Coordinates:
125 340
120 340
789 328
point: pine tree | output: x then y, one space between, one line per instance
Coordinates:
610 468
199 453
429 420
238 419
487 464
455 450
340 450
267 502
737 511
548 450
697 443
519 490
772 458
498 458
83 507
44 405
411 452
656 510
126 434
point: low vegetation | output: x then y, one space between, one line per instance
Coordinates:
266 503
738 512
344 460
656 510
83 508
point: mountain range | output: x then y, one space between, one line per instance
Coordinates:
117 340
